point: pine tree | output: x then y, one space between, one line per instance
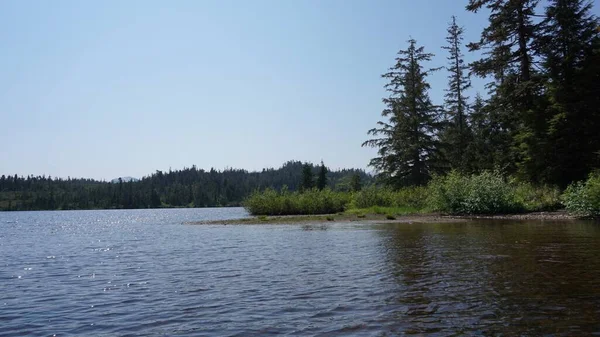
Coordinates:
406 141
489 148
355 183
456 134
508 48
571 51
322 177
154 198
307 182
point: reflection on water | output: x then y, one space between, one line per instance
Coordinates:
496 277
142 272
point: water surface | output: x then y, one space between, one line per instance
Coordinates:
143 272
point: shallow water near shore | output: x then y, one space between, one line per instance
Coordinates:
146 273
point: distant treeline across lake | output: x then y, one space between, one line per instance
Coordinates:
189 187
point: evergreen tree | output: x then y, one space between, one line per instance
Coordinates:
406 142
322 177
489 148
177 188
154 198
355 183
307 177
508 45
571 51
456 134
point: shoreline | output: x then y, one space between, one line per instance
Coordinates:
383 219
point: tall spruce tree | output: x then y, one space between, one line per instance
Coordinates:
407 140
508 48
322 177
489 147
456 134
307 182
571 49
355 183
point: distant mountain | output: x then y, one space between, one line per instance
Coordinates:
124 179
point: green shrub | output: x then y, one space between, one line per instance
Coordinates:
583 198
329 218
485 193
536 199
373 196
414 197
271 202
390 217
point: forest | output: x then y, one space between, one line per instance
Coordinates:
539 118
529 142
189 187
533 134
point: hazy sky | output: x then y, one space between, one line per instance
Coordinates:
104 89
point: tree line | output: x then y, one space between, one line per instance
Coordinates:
539 120
189 187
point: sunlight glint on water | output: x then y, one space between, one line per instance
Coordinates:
145 272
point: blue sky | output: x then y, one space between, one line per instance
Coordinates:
104 89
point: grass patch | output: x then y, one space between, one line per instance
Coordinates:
415 197
271 202
360 212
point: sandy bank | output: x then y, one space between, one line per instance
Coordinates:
378 218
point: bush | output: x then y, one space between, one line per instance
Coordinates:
373 196
583 198
536 199
485 193
414 197
271 202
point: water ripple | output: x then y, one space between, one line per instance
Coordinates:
134 273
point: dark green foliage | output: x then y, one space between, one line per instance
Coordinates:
355 183
570 47
322 177
308 179
190 187
491 142
508 49
456 135
406 140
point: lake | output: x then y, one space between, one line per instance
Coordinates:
147 273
